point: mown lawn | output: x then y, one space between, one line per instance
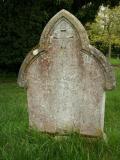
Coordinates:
18 142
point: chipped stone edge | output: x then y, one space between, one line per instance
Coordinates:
74 21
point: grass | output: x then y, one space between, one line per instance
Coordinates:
115 61
18 142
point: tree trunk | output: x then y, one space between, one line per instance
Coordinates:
109 49
109 46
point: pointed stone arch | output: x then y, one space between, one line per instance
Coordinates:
75 23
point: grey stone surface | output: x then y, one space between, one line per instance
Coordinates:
66 79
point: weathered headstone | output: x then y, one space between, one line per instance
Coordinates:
66 79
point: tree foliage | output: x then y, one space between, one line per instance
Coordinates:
106 28
21 23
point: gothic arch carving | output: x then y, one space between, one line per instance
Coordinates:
74 21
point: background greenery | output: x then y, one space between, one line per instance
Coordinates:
22 21
104 32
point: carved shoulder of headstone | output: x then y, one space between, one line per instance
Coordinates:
31 56
110 82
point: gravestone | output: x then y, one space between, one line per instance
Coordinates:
66 79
